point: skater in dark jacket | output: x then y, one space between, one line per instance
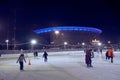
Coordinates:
88 58
20 60
45 56
106 54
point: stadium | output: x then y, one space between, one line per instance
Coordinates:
71 35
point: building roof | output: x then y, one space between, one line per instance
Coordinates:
68 28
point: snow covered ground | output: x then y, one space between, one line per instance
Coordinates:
66 65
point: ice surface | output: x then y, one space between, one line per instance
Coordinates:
66 65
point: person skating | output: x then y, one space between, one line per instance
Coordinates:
20 60
106 54
88 58
45 56
111 54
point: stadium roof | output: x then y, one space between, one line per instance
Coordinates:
68 28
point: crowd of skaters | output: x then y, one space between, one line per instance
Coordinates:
89 54
22 59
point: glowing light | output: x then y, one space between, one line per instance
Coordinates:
83 43
109 42
65 43
33 41
99 44
57 32
95 41
6 41
68 28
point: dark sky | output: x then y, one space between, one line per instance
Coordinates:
30 15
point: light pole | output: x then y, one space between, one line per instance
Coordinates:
56 39
7 43
99 44
99 47
109 44
57 32
83 44
33 42
65 43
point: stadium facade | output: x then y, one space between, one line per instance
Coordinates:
73 35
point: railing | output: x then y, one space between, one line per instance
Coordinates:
32 51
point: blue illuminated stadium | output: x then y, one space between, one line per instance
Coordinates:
68 28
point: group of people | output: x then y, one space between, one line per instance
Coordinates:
89 55
22 59
35 54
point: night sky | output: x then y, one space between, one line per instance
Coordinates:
31 15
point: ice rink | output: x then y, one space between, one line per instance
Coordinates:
69 65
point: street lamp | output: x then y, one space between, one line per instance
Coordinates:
100 49
109 42
57 32
7 43
33 42
56 38
99 44
109 45
83 43
65 43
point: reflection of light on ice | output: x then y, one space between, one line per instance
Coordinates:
100 55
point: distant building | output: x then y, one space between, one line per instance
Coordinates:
73 35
